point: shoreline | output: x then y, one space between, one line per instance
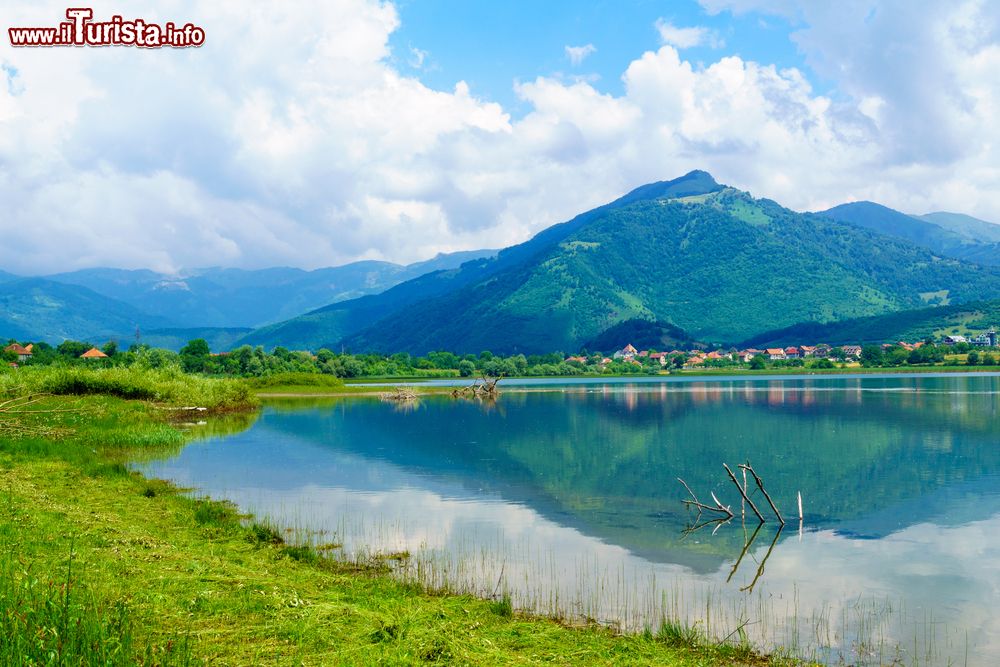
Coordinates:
529 384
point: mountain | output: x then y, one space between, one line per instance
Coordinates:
39 309
228 298
971 228
709 259
326 327
908 325
948 234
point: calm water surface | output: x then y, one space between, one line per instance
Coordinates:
569 501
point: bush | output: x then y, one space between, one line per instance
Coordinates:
165 385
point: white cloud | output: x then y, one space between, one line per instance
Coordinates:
685 38
418 56
291 139
577 54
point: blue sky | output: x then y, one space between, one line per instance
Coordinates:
490 45
321 132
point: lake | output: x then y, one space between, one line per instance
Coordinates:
565 496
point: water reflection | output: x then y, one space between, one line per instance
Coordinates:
573 496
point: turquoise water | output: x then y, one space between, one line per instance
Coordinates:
565 495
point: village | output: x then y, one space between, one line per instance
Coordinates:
820 351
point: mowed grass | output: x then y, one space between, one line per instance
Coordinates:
99 565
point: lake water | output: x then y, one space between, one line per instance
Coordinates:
565 496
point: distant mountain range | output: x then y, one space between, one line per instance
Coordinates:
40 309
671 262
219 304
948 234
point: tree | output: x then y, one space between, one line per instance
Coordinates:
757 362
72 348
194 356
466 368
196 348
871 355
110 349
973 358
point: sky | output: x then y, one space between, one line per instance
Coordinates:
312 134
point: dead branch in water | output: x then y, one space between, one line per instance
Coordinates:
694 502
399 394
760 485
483 388
743 493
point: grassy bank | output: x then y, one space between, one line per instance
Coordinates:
101 566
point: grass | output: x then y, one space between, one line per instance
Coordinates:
169 386
99 565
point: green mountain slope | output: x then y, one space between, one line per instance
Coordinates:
948 234
38 309
721 266
908 325
230 298
327 327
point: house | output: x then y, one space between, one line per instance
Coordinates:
93 353
774 353
792 353
988 339
714 355
579 360
807 351
822 350
852 351
23 353
644 354
661 357
627 353
954 340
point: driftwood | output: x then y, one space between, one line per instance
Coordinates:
399 394
743 493
760 485
694 502
727 515
484 387
13 410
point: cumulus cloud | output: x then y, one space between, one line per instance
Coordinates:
685 38
289 138
577 54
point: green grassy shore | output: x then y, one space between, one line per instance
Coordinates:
99 565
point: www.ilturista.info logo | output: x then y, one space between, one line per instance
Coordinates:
82 30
